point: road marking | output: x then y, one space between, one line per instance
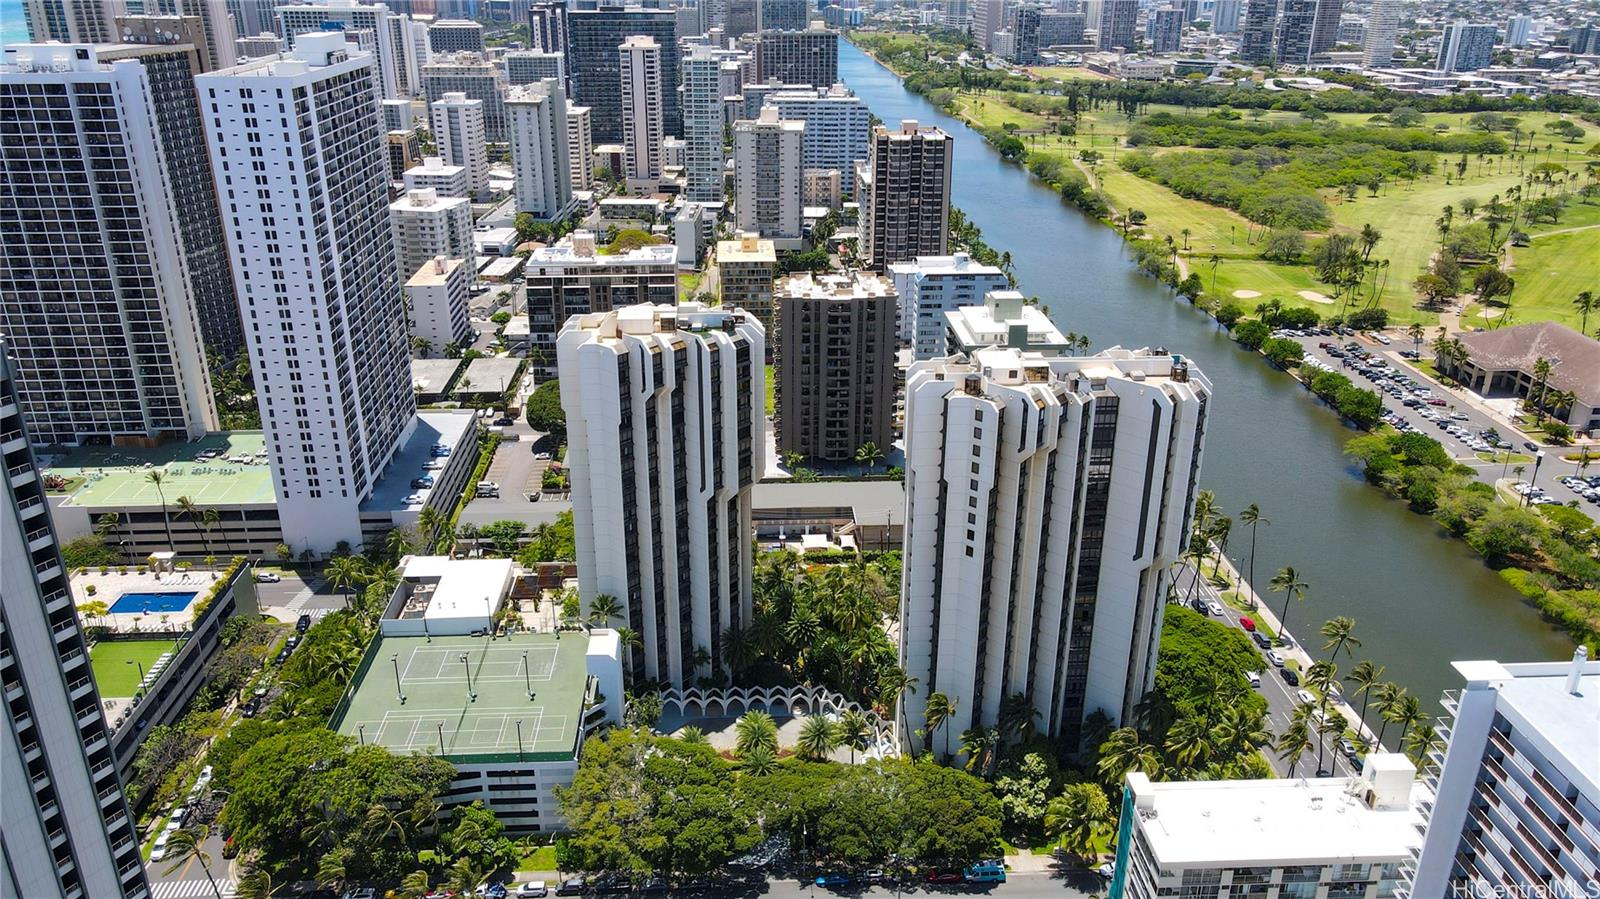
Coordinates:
191 888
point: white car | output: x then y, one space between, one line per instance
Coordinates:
533 889
1305 697
267 577
1275 657
1254 677
1215 608
159 850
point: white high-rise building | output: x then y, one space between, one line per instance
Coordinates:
437 294
580 146
388 30
767 177
930 286
643 125
705 161
1383 23
434 174
664 432
536 119
426 225
1518 810
68 832
1225 16
319 287
106 336
1518 30
1045 499
838 128
1466 47
458 137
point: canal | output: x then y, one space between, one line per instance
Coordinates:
1421 599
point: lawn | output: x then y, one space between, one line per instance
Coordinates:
1068 73
772 392
541 859
1550 272
990 111
116 664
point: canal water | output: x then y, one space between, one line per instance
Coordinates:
1420 599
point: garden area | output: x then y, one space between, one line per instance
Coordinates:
120 665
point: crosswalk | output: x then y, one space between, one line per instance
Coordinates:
191 889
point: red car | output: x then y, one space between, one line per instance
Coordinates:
1247 622
944 877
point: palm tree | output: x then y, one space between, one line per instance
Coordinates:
1123 752
1076 816
331 869
1365 677
343 572
755 728
940 710
855 731
398 542
818 737
465 875
603 608
1294 742
188 845
1340 636
758 761
195 516
386 822
154 477
257 883
1330 728
1017 716
1189 742
1368 239
1541 372
1252 516
978 744
213 519
1239 732
868 454
108 524
1585 302
1391 703
1421 742
1409 715
415 885
1287 581
1217 535
1185 232
1416 332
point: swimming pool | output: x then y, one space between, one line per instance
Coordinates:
152 602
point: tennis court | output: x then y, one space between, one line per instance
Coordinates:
471 695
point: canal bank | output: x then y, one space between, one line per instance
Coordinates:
1421 598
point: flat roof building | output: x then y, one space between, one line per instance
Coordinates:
930 286
437 294
437 175
746 268
426 225
1005 319
575 277
904 189
442 596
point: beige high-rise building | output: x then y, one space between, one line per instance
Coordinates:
835 361
905 194
643 126
745 268
767 177
580 146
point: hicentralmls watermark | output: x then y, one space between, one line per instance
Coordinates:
1588 890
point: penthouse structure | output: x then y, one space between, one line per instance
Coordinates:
1007 320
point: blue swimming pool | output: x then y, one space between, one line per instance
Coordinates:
152 602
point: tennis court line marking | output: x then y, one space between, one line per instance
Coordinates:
497 719
506 662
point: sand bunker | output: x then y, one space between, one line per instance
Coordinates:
1246 294
1315 297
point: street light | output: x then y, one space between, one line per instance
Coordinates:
441 737
527 682
467 667
1538 459
519 739
395 661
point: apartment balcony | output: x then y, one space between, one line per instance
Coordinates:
1451 700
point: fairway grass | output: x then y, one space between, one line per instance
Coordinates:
113 674
1550 272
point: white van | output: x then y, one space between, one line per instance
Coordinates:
489 489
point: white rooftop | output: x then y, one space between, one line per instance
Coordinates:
462 588
1566 726
1275 822
959 263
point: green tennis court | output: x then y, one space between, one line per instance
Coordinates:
116 664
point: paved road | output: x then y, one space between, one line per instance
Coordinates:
1057 884
1280 696
1466 412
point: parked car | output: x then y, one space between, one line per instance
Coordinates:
159 850
1289 677
1275 657
491 890
303 623
1261 640
1306 697
268 577
943 877
572 886
1254 677
835 879
1248 623
533 889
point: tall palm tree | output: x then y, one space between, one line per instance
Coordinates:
189 845
1287 581
191 510
1541 372
465 875
1189 742
155 477
941 708
1330 727
257 883
1409 715
1252 516
1122 752
343 572
978 744
1239 732
1339 636
1365 677
868 454
1294 743
1390 699
331 869
387 822
755 728
817 738
1217 534
1076 817
213 519
1585 302
603 608
1017 717
108 524
854 731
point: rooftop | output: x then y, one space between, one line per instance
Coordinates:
453 428
221 469
437 715
960 263
869 502
1274 822
431 375
441 587
1575 358
489 374
748 248
435 273
1534 696
834 285
993 322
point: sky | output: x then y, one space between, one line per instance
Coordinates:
13 28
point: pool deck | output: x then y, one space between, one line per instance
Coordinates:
110 587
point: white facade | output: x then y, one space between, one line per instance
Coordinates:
767 177
321 301
1045 499
436 175
530 66
1225 16
387 30
643 125
580 146
107 342
1518 812
667 534
1295 838
437 294
1005 319
1383 23
931 286
427 225
838 128
536 122
458 137
1518 30
1466 47
705 162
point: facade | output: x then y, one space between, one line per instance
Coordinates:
1518 784
1166 29
1046 498
1518 30
386 31
397 115
782 15
437 296
1297 22
1025 35
214 42
808 56
746 268
838 128
475 77
1118 24
426 225
1501 363
643 104
930 286
70 21
835 364
595 65
1059 28
455 36
766 177
1325 28
1383 24
904 190
1225 16
705 160
85 154
547 25
573 278
530 66
1466 47
317 319
405 153
988 17
580 146
1260 27
1006 320
436 175
1294 838
537 122
460 127
821 188
68 830
265 44
664 429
